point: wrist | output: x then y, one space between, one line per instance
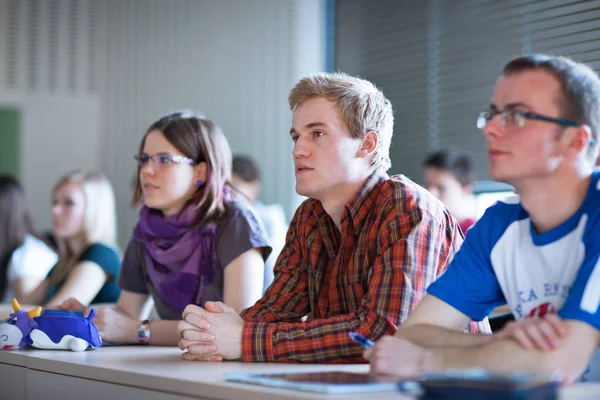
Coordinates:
239 349
493 337
143 332
132 329
428 361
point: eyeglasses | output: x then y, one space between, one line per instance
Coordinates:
161 159
518 117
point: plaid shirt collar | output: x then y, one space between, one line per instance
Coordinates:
357 209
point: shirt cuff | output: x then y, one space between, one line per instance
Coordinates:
257 342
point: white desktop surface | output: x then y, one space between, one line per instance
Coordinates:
160 373
161 369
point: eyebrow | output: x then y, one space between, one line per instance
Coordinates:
509 106
309 126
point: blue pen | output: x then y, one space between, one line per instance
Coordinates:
360 339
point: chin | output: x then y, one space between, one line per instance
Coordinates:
501 177
59 234
153 205
303 191
311 194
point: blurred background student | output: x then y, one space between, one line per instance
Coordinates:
193 243
25 259
83 212
449 176
246 179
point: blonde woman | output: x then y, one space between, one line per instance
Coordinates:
83 212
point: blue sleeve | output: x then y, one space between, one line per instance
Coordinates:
583 300
108 259
470 284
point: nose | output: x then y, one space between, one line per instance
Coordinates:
300 148
494 128
55 210
148 169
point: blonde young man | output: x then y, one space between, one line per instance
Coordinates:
539 251
359 252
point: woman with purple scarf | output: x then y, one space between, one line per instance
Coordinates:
193 243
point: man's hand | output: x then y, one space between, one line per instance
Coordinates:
396 357
544 334
211 334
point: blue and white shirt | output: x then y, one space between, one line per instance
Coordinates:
504 261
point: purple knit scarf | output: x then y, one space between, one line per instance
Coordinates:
179 259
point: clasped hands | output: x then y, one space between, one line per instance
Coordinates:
213 333
400 357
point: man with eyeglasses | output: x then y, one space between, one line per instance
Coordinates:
538 252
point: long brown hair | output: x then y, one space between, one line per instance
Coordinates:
202 141
15 223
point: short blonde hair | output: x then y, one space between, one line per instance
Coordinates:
362 107
100 218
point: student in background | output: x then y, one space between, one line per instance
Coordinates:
449 176
192 243
246 179
84 218
359 252
538 252
25 259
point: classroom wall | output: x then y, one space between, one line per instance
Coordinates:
234 61
47 72
91 75
45 157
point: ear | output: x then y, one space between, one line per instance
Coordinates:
591 142
585 136
200 171
581 139
589 137
369 144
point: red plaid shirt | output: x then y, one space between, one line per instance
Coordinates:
396 239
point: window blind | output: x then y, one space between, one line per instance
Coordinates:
438 61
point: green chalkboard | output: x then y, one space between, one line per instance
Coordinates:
10 141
